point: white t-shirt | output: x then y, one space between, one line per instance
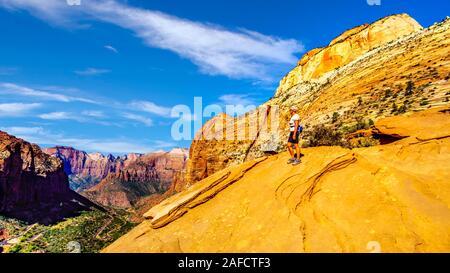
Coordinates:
294 118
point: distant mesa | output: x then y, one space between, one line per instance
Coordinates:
121 181
139 177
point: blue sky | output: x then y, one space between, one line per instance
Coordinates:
103 76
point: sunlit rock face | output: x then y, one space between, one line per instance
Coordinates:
390 197
347 47
386 198
362 74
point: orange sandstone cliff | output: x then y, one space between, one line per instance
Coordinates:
347 47
369 81
393 197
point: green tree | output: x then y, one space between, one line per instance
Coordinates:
335 117
402 109
394 108
409 88
387 93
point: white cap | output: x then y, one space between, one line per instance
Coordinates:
294 108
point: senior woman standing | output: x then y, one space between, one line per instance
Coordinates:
294 135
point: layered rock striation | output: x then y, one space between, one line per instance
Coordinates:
347 47
143 176
388 68
386 198
84 169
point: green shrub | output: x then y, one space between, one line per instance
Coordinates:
363 142
402 109
335 117
360 101
15 249
321 135
409 88
348 129
394 108
361 124
387 93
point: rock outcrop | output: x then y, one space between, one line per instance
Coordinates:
139 177
347 47
137 174
33 185
394 198
368 73
27 175
86 170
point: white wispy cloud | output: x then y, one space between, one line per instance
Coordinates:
237 99
108 146
23 130
91 71
49 93
15 89
161 144
111 48
93 113
144 120
216 50
238 53
17 109
59 116
238 104
43 137
150 107
85 117
53 11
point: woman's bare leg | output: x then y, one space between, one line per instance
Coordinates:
289 145
297 149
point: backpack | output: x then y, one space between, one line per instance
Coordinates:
300 129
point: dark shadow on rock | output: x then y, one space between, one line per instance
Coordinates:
387 139
55 211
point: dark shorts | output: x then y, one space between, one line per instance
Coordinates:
291 138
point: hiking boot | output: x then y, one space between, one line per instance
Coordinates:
291 160
296 162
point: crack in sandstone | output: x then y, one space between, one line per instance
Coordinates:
247 152
164 214
337 164
283 182
303 232
432 138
